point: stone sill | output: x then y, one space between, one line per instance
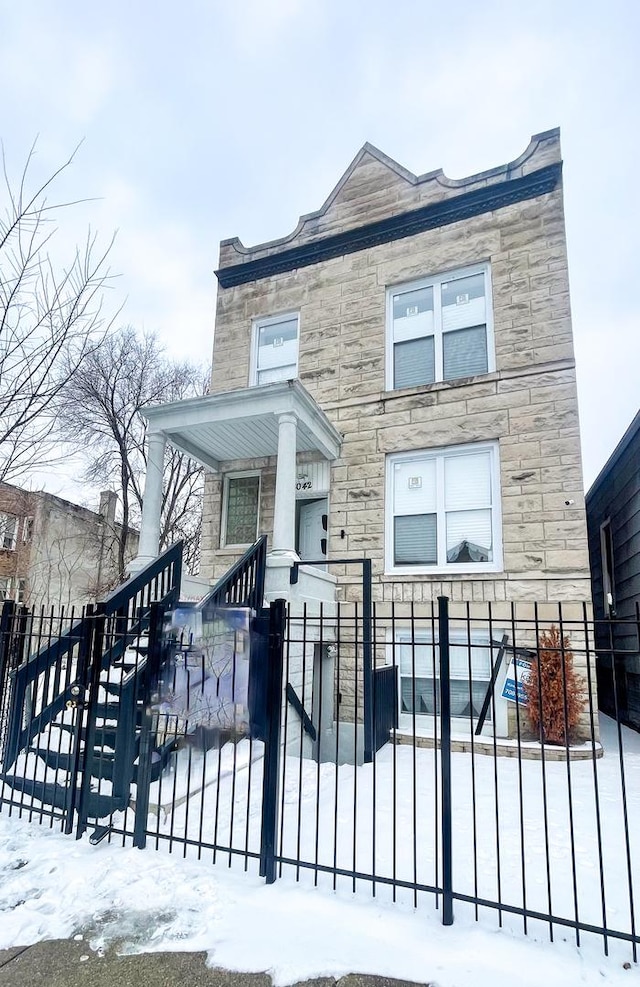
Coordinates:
493 577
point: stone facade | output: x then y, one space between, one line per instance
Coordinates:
527 404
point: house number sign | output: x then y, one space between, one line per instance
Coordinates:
304 485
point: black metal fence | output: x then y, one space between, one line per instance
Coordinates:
502 790
493 786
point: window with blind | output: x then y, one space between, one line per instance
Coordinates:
275 349
240 508
443 510
440 329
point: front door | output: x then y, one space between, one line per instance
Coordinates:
312 529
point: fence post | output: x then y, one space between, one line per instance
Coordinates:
445 758
6 617
277 623
143 777
79 692
92 684
367 662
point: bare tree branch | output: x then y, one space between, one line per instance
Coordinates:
99 412
51 315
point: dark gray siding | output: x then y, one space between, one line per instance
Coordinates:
615 495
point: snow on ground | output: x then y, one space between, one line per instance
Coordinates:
52 886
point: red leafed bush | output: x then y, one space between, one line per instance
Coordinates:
554 703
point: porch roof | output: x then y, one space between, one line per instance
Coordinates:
243 424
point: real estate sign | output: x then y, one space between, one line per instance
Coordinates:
517 674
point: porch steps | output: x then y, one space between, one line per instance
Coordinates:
103 760
115 747
51 793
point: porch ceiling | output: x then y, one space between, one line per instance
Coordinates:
243 424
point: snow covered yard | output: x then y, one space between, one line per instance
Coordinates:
52 886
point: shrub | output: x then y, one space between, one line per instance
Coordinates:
554 703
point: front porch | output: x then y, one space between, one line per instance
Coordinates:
223 431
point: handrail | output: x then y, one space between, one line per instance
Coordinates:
243 584
157 582
116 600
126 591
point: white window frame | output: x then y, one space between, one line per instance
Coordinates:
436 283
27 529
442 566
480 637
261 323
225 504
4 515
5 591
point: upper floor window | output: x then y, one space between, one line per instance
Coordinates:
443 510
440 328
275 349
8 531
27 529
5 588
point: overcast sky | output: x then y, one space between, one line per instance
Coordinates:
202 120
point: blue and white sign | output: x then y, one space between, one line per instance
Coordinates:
522 668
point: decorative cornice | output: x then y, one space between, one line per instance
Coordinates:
452 210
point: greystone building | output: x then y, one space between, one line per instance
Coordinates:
395 380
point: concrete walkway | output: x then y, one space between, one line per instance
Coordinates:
67 963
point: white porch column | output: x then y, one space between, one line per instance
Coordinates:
284 516
149 544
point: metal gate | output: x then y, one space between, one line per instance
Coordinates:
246 741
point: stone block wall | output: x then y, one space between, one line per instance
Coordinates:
528 404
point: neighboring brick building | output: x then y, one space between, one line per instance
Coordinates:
54 553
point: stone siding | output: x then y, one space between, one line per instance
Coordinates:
528 404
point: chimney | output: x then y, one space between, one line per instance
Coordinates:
108 501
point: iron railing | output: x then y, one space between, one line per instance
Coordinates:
535 819
45 645
385 704
243 584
